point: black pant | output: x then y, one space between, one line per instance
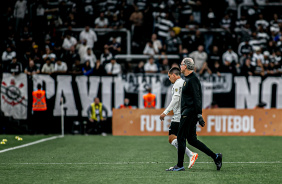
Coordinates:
39 122
187 130
95 127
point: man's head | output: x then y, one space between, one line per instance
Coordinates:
31 63
113 61
39 86
187 64
14 59
96 101
151 60
126 101
174 74
59 62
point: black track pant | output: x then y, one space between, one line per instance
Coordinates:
187 130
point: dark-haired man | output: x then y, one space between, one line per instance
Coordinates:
191 113
177 81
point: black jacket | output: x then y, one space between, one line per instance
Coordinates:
191 99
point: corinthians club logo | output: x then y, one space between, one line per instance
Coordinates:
12 94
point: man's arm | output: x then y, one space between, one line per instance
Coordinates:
89 111
173 102
197 100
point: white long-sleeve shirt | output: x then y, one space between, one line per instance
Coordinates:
90 36
175 103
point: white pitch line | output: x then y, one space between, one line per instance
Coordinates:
126 163
31 143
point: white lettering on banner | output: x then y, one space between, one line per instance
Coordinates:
49 82
87 95
245 96
234 123
107 94
119 91
64 89
267 91
150 123
207 97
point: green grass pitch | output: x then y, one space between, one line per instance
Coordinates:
132 159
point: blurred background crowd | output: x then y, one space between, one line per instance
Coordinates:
90 37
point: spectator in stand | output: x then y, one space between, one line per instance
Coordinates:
114 46
149 99
191 24
89 35
247 69
173 44
226 23
70 56
271 70
230 54
150 49
211 21
197 39
164 68
69 41
15 67
200 58
216 67
126 104
71 20
48 67
156 42
244 50
10 40
60 67
99 69
214 56
184 53
20 10
7 57
89 56
136 19
76 67
101 21
106 56
151 66
36 55
26 38
259 69
261 21
87 69
81 48
115 23
266 58
257 55
113 68
229 66
49 54
163 25
139 68
31 69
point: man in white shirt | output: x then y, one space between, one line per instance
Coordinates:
113 68
69 41
200 57
151 66
48 67
89 56
150 49
88 35
60 67
175 105
101 22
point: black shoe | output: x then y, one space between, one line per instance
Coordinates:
218 161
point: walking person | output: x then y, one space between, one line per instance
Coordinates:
191 113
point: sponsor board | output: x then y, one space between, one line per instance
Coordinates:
223 122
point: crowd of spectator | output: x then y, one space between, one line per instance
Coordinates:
248 44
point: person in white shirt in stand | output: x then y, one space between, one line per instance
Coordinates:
113 68
89 56
69 41
88 35
151 66
102 21
82 47
60 67
150 49
175 105
49 54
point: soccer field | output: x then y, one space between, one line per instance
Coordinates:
120 159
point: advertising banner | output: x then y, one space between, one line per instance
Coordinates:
223 122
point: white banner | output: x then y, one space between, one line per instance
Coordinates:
14 97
